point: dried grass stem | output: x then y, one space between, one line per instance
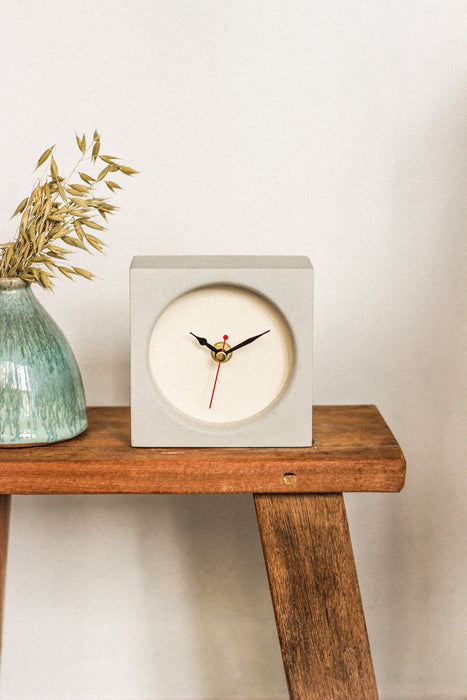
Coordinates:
56 211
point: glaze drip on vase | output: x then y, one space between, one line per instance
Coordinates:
41 391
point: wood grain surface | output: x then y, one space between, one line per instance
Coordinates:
4 527
316 597
354 450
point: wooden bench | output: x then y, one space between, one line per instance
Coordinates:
300 511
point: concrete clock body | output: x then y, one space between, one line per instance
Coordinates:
221 351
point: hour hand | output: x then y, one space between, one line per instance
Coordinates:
246 342
203 341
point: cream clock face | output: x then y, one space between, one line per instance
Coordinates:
251 365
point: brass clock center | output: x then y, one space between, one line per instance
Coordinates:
221 355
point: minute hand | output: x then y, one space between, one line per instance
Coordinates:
245 342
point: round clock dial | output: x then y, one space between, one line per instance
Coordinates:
221 354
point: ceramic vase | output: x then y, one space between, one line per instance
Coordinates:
41 391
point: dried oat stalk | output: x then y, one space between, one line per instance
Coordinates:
61 216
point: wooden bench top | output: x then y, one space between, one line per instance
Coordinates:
354 450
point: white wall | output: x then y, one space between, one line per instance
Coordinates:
331 129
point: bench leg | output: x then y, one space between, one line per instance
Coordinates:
4 526
316 597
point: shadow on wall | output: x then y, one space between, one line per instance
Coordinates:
417 537
142 596
229 618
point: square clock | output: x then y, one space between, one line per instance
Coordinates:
221 351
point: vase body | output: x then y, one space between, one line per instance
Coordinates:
41 391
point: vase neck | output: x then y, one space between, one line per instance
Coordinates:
13 283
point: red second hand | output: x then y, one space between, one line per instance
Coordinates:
225 337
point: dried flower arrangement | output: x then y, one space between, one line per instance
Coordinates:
59 212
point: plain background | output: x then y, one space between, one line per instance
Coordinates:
331 129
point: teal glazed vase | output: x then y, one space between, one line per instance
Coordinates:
41 391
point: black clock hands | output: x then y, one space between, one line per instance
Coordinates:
245 342
203 341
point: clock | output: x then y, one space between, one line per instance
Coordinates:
221 351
